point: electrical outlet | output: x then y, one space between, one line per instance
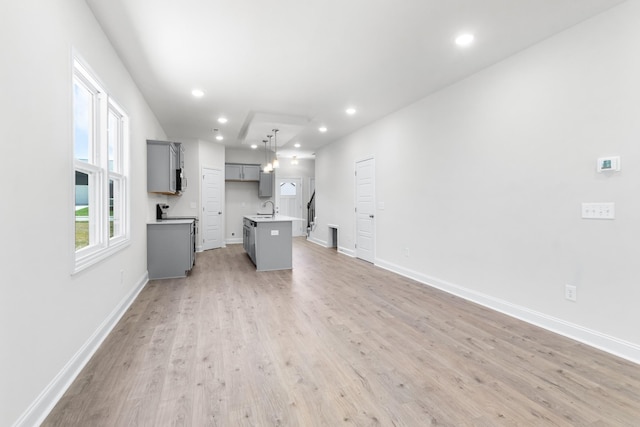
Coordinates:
570 292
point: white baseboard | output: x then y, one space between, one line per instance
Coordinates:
44 403
233 241
626 350
325 244
346 251
317 241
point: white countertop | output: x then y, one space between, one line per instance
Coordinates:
171 221
269 218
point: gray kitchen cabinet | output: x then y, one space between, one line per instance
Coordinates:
165 162
241 172
273 246
170 248
232 172
251 172
249 238
267 241
265 188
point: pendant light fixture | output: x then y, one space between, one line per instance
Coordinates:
276 163
266 164
269 166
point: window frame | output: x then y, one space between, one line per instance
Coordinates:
101 243
119 175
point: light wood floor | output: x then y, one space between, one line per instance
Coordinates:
335 342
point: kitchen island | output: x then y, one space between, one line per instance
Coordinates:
267 241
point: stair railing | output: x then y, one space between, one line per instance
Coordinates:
311 212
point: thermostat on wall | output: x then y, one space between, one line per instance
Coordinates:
608 164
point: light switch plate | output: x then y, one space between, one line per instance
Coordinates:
599 210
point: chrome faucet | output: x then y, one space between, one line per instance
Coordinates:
273 207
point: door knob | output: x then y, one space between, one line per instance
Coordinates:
219 213
370 216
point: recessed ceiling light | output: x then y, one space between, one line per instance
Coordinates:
254 146
222 120
464 39
198 93
219 137
351 111
297 145
322 129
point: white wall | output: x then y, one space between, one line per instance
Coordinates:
483 181
47 315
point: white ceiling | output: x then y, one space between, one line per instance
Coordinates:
298 64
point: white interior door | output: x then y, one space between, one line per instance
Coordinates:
289 201
365 207
211 222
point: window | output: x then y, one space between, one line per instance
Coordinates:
288 189
100 138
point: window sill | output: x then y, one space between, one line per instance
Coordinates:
83 262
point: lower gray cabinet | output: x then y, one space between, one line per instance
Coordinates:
273 246
249 238
268 244
170 249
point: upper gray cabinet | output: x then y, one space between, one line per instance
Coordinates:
232 172
241 172
165 162
265 188
251 172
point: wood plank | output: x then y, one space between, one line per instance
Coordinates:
335 341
